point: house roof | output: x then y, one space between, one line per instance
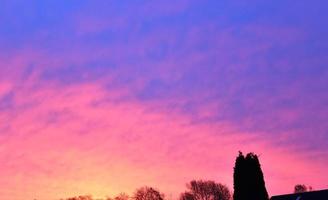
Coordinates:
313 195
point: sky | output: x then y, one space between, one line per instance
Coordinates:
102 97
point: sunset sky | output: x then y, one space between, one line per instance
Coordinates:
101 96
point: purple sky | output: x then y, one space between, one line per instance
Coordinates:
209 71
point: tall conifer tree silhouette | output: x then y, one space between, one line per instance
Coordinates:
248 179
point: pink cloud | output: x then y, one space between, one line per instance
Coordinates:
70 140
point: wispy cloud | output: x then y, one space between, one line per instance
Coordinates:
103 97
79 139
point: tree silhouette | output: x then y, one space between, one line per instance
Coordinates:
248 178
187 196
239 178
148 193
299 188
205 190
122 196
86 197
